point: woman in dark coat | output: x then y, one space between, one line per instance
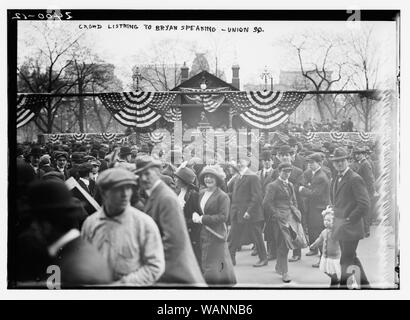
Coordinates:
188 197
214 206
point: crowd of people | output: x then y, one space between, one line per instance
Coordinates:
311 125
160 224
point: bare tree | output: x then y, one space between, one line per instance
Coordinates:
318 61
364 63
44 71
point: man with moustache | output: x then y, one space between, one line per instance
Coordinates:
181 266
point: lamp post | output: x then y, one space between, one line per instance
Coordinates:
136 77
265 76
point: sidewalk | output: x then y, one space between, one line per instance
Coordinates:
376 254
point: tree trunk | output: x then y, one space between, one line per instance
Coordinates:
81 107
320 107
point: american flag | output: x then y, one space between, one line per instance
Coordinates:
140 109
28 107
265 109
211 102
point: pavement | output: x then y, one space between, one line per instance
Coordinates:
376 253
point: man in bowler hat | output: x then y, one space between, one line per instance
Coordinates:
351 203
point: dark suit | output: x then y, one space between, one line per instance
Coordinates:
247 197
317 194
91 188
181 266
277 203
364 169
351 202
216 260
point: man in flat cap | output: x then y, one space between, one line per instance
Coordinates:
61 158
181 266
285 155
317 195
278 202
128 238
351 203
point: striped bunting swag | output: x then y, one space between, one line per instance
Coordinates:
108 136
364 136
309 136
54 138
211 102
79 136
337 136
265 109
140 109
156 136
28 107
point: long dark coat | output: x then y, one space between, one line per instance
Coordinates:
350 200
181 266
317 194
277 202
364 169
216 260
194 229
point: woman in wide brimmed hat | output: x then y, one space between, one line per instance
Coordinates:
188 197
214 209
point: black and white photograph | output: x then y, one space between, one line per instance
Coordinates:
203 150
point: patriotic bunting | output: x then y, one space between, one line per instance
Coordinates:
79 137
265 109
364 136
211 102
337 136
156 137
140 109
28 107
54 138
309 136
108 136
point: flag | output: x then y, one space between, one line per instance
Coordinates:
140 109
28 107
265 109
211 102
